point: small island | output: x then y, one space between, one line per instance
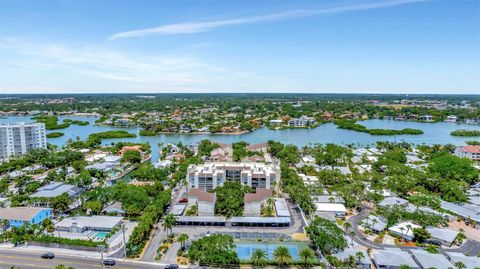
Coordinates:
55 135
463 132
352 125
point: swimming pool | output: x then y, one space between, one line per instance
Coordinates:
101 235
245 250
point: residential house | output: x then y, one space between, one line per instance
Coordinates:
253 202
18 216
430 260
375 223
362 263
81 224
471 152
404 230
442 236
205 201
393 259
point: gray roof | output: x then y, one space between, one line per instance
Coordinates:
55 189
326 199
390 201
201 219
100 166
90 222
470 261
351 252
428 260
443 234
461 211
177 210
281 207
378 225
393 257
265 220
114 208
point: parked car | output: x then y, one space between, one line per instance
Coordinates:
183 200
110 262
48 255
171 266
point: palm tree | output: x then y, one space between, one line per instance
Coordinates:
259 257
168 223
182 239
282 256
460 265
346 226
359 256
307 255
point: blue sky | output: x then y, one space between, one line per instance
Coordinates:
339 46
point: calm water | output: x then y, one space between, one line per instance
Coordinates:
434 133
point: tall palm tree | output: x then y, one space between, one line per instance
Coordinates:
168 223
282 256
346 226
359 256
182 239
259 257
307 255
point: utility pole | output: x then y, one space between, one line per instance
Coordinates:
101 255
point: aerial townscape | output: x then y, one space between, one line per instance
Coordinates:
240 134
105 189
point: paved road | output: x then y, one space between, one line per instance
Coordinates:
31 260
159 234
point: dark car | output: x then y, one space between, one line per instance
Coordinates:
110 262
171 266
183 200
48 255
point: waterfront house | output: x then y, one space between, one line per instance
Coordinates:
451 118
18 216
471 152
303 121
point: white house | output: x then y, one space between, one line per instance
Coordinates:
90 223
337 209
404 230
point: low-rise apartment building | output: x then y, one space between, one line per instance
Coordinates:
211 175
471 152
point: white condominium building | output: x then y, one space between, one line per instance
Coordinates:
211 175
20 138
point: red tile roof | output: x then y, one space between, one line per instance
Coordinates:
471 149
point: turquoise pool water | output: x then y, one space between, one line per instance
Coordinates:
245 250
101 235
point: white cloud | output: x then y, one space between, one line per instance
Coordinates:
198 27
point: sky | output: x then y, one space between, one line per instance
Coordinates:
299 46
